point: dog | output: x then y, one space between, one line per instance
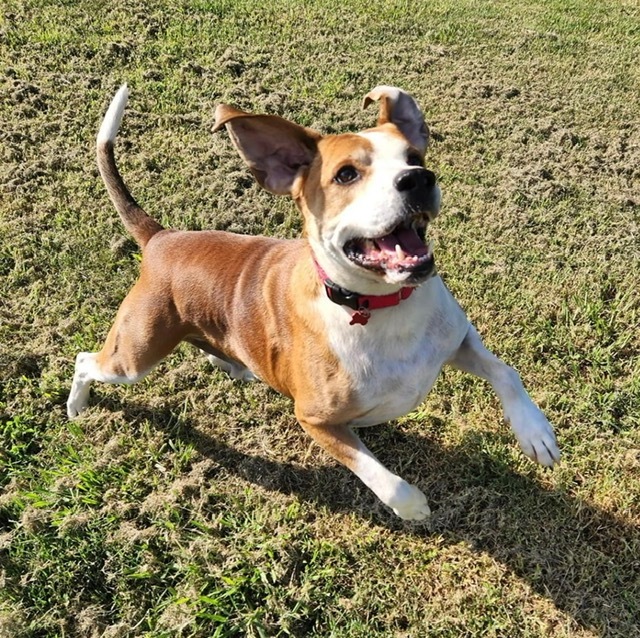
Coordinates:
351 321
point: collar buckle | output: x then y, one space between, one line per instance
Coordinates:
341 296
362 305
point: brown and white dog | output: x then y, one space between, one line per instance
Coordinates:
351 322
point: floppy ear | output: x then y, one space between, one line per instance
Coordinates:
275 149
400 109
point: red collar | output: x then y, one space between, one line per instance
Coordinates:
361 304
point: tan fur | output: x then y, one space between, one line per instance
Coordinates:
315 193
136 221
258 303
210 288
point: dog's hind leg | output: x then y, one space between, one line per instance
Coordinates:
143 333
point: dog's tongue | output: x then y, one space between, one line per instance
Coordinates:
407 239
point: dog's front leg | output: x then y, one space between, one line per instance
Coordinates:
341 442
528 423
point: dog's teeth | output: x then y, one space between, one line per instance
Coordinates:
400 253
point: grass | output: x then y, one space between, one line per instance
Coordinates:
190 505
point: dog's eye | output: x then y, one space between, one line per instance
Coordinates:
346 175
414 159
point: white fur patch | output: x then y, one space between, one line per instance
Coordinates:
113 117
378 208
394 360
87 371
406 500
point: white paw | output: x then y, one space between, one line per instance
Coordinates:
234 371
80 386
76 405
409 503
242 374
535 435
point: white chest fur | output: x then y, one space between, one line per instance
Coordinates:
394 360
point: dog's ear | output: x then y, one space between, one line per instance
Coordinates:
275 149
400 109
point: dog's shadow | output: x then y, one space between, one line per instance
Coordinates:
579 556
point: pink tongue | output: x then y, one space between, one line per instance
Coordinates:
408 240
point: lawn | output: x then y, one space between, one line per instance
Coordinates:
193 505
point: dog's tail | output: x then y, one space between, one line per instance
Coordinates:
136 221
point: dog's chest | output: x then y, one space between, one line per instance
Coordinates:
394 360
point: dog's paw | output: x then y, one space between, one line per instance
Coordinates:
410 504
234 371
81 384
76 406
243 374
535 435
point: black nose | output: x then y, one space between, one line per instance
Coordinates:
414 178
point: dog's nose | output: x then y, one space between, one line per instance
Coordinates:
414 178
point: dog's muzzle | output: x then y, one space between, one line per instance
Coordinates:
403 248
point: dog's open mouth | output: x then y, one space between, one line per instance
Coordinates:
402 250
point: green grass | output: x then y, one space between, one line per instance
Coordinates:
190 505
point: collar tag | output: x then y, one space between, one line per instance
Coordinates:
362 305
360 316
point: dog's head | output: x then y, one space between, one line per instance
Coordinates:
366 197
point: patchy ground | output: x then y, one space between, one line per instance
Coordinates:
190 505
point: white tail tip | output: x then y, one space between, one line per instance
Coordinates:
113 118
